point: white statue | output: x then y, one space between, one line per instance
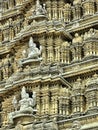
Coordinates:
26 103
39 9
33 51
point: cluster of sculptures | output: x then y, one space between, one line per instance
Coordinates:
32 53
10 29
26 105
39 9
91 34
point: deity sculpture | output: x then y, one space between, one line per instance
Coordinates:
39 9
7 67
76 125
77 39
32 52
26 104
90 33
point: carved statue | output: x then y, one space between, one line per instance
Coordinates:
33 51
76 125
39 10
91 33
14 102
76 2
26 104
77 39
6 67
24 54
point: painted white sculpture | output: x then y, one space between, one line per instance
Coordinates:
32 52
26 104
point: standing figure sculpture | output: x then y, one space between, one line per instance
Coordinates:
14 102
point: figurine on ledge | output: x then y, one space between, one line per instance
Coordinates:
32 52
39 9
26 106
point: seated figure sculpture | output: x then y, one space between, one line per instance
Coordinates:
77 39
32 52
26 105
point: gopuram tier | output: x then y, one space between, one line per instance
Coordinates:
48 64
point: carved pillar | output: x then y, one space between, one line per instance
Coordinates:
57 42
60 9
64 106
5 6
96 6
1 36
54 9
48 3
44 51
90 48
76 10
6 34
77 97
10 4
57 54
45 107
1 75
7 108
38 101
88 7
67 13
18 2
54 99
1 8
91 94
65 53
64 102
50 49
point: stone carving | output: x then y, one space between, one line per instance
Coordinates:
39 9
7 67
26 104
76 125
14 77
32 52
77 39
76 2
91 34
14 102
